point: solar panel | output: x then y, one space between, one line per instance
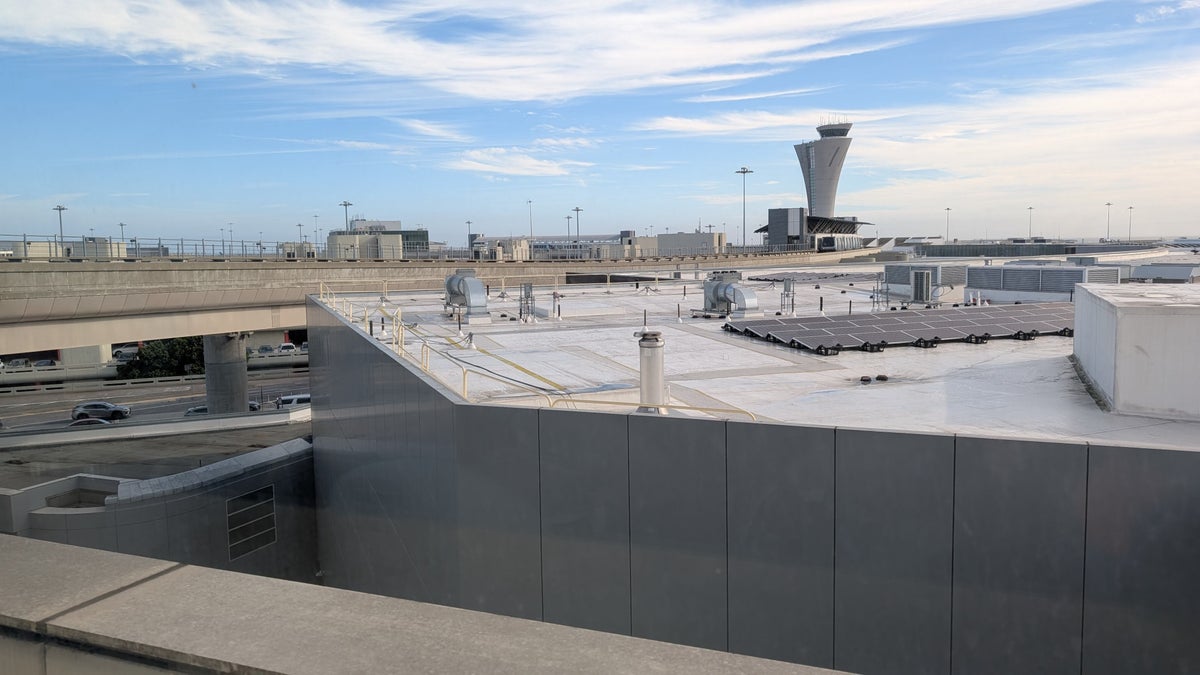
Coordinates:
825 334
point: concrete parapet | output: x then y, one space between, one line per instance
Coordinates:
97 611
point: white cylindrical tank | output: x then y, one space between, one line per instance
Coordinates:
650 357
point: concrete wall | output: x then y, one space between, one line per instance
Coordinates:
868 551
73 611
186 517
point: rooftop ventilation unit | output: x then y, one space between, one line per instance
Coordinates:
722 295
466 295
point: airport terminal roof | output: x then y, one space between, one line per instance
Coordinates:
588 358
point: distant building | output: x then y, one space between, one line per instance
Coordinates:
796 227
382 239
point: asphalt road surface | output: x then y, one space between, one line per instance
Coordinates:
30 411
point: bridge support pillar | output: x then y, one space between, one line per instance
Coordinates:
225 372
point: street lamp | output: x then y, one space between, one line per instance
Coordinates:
568 236
1108 230
222 240
577 235
469 247
346 205
530 203
947 224
300 248
1030 223
743 171
60 208
1131 224
314 227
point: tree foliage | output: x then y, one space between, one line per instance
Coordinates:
166 358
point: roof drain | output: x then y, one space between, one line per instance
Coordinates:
653 383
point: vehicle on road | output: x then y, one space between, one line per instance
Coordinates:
266 349
203 409
287 348
100 410
292 400
45 363
88 422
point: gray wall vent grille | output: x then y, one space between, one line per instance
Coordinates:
251 521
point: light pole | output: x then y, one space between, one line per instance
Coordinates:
1131 225
230 238
300 247
470 251
1030 223
743 171
947 224
529 202
568 236
577 235
1108 229
346 205
60 208
314 227
122 226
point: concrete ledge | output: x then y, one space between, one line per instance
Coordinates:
127 429
140 611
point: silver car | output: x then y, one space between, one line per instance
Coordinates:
101 410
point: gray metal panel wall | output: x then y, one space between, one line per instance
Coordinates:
781 542
1018 555
386 492
499 511
1142 594
893 547
585 519
677 530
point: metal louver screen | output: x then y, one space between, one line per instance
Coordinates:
251 521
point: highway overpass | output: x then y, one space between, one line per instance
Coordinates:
64 304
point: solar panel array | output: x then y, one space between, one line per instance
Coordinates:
920 328
806 277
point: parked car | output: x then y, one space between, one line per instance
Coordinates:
88 422
18 363
304 346
292 400
100 410
266 349
287 348
125 352
203 409
45 363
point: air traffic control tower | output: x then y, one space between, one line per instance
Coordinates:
821 160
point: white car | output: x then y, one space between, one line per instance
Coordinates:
287 348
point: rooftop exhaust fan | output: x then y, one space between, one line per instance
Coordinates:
466 294
723 295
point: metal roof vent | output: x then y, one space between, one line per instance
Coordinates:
723 295
653 382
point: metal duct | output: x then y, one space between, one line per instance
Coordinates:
464 290
653 382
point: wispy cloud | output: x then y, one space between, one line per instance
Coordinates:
450 47
752 96
435 130
510 162
1160 12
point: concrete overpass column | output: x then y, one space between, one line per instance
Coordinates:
225 372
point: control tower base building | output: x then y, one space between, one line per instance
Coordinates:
821 161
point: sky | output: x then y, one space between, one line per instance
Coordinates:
186 118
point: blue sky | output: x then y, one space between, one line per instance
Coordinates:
181 117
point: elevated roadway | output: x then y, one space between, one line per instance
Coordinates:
63 304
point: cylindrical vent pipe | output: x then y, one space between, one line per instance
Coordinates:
654 388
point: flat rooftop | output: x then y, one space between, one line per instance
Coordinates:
588 359
138 458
